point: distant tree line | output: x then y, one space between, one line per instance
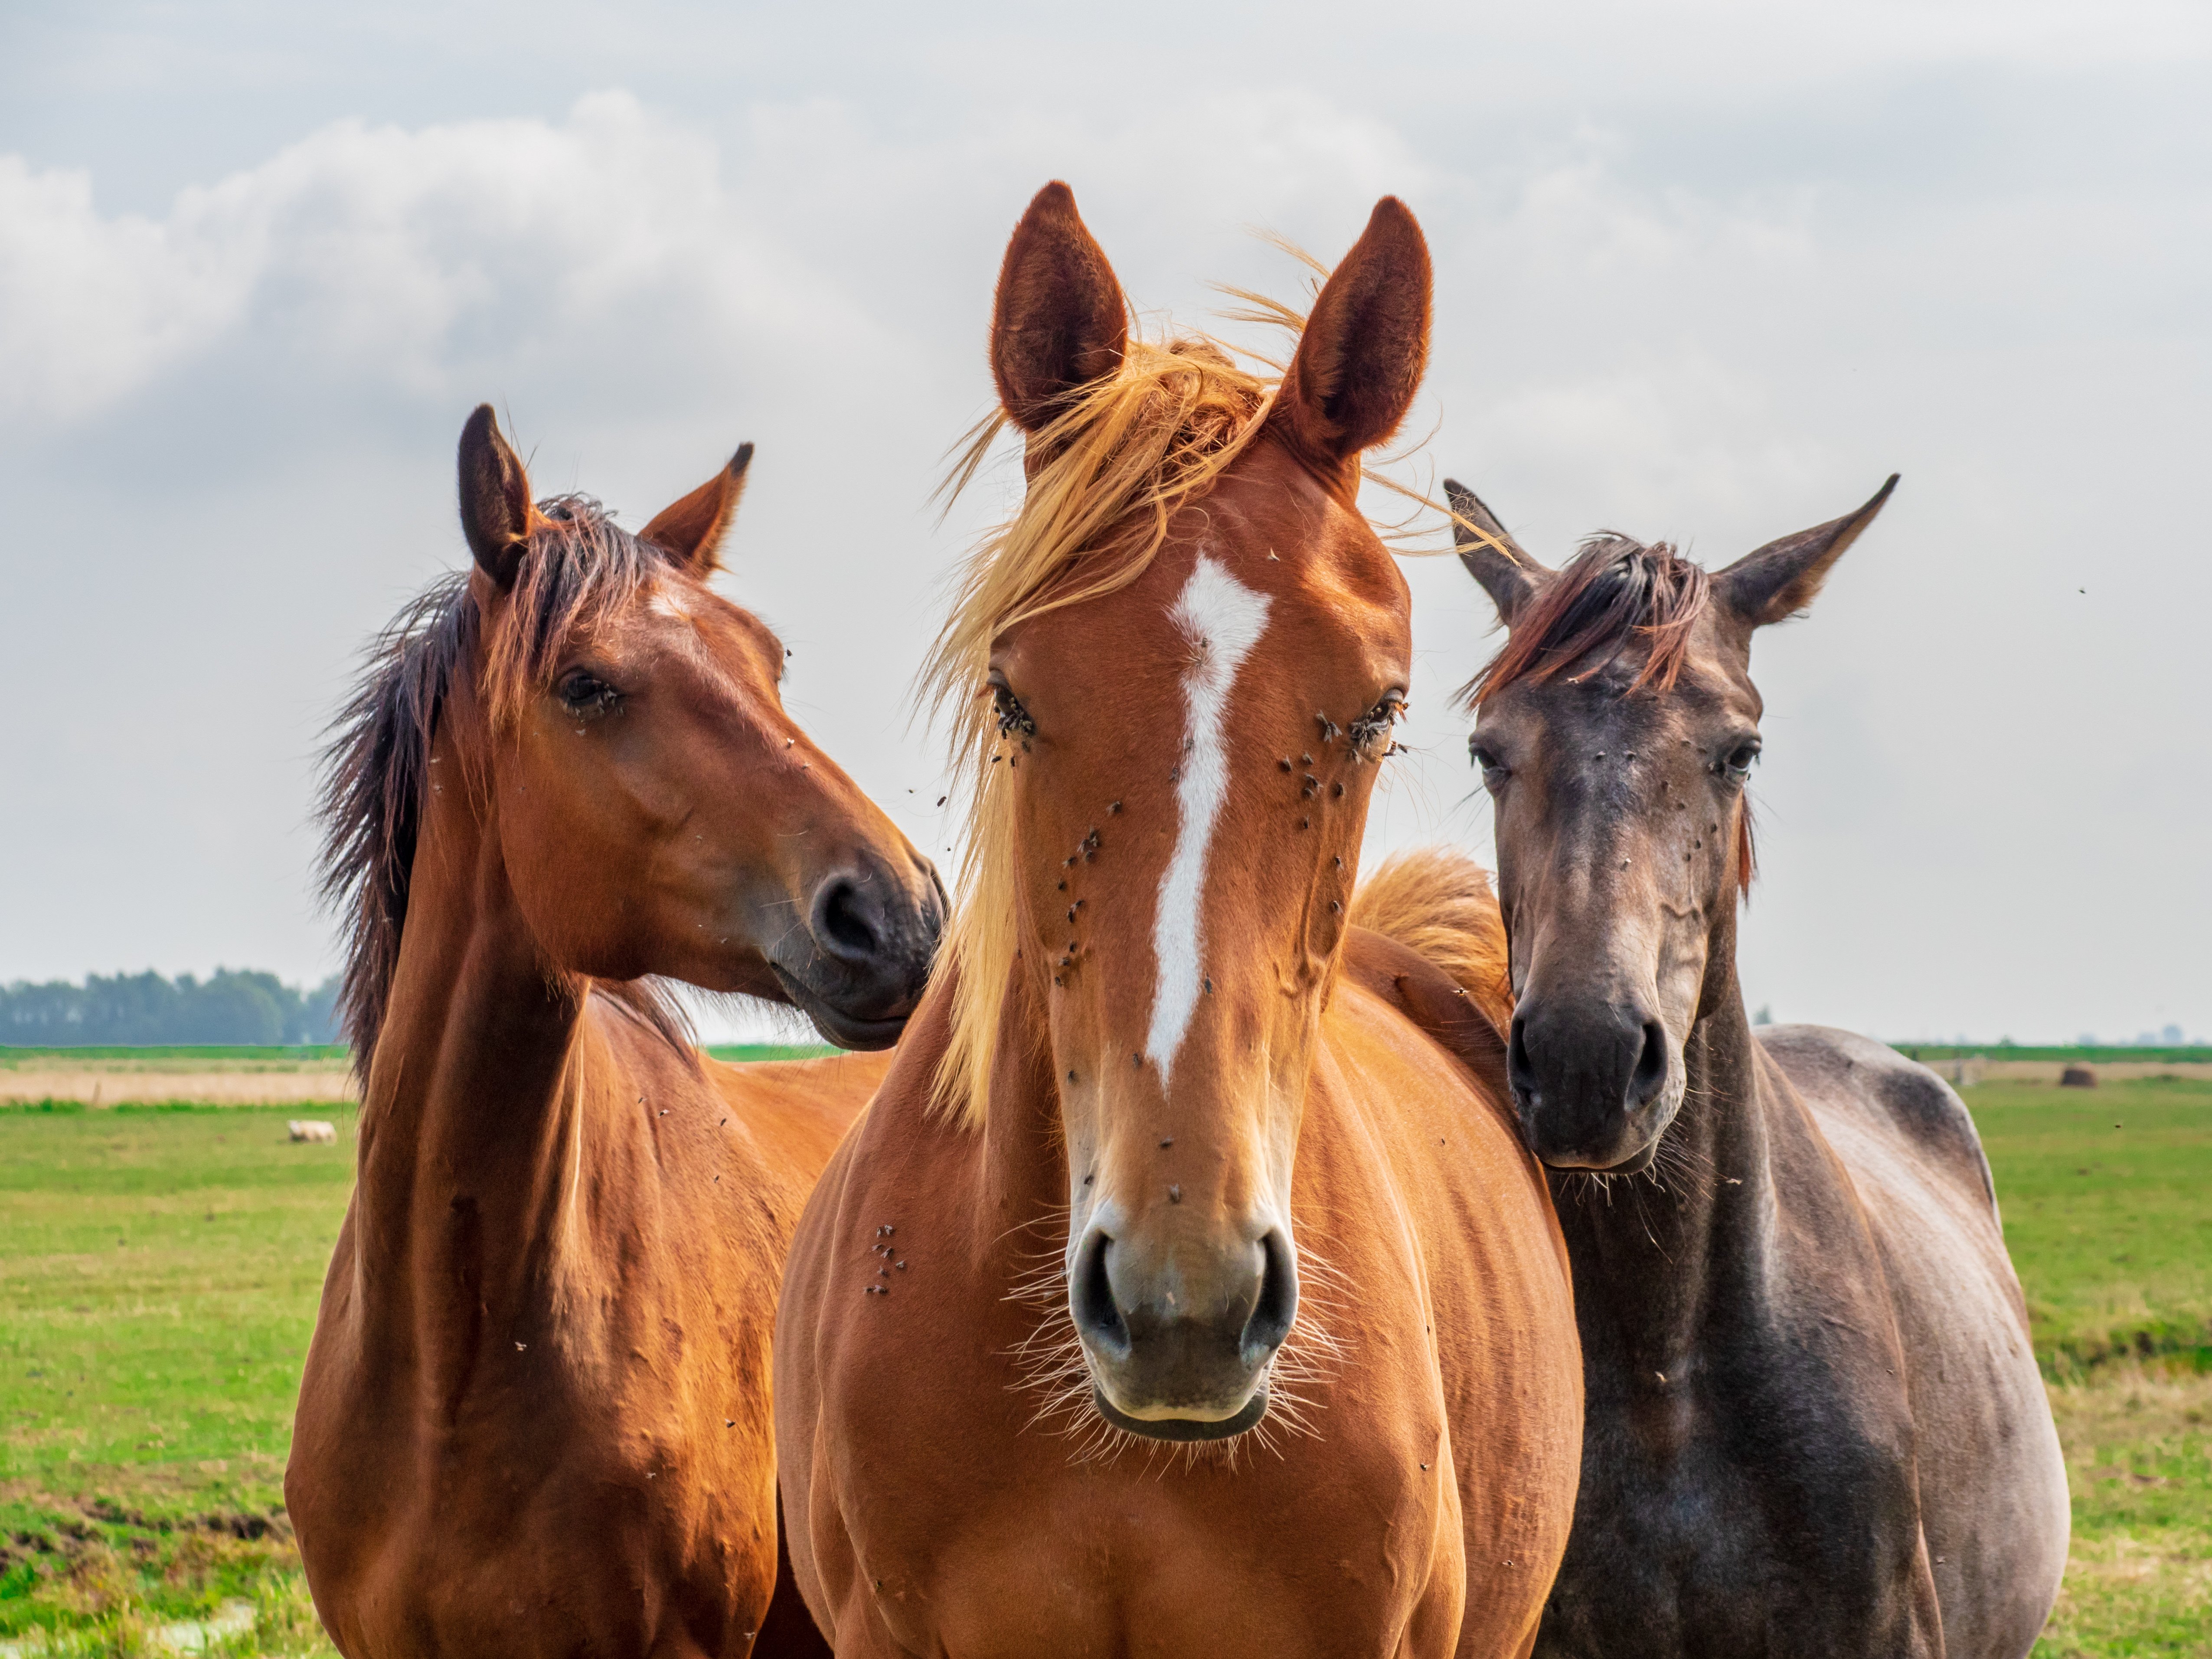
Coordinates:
229 1007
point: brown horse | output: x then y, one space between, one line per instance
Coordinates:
535 1417
1181 1292
1815 1425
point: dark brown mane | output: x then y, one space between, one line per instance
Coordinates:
580 568
1614 589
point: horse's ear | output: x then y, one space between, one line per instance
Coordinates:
690 531
1366 345
1491 557
1059 322
1780 579
494 498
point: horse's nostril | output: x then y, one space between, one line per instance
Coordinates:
1650 1065
941 904
1278 1302
1518 1071
845 921
1096 1314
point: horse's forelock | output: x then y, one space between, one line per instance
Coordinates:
580 571
1614 589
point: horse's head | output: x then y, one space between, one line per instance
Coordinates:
1193 647
1615 731
658 811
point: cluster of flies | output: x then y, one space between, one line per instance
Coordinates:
891 1259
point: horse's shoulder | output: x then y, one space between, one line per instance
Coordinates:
1841 1072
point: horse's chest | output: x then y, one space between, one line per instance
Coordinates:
564 1559
560 1518
1014 1543
1148 1556
1759 1513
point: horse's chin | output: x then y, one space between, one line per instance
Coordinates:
1636 1162
842 1029
1185 1430
1606 1160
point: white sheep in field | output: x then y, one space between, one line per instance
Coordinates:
310 1129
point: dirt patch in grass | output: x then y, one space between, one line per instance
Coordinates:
140 1547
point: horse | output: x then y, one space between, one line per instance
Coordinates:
1184 1290
1815 1423
534 1417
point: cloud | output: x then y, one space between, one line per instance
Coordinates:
1701 275
378 257
91 308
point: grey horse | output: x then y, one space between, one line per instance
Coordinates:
1815 1423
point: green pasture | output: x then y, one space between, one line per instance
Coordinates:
2187 1054
158 1270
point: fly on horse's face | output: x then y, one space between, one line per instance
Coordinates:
1615 733
658 811
1189 758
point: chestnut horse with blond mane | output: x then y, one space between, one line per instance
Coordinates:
1184 1291
535 1417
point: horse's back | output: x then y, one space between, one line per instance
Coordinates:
1901 1099
1991 1477
798 1110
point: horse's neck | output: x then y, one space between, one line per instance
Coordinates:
1023 1171
1661 1256
474 1108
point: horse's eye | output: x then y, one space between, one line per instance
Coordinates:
585 695
1370 733
1739 759
1494 772
1014 720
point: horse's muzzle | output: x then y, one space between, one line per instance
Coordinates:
1179 1343
859 969
1589 1080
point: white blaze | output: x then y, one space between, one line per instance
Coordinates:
1223 620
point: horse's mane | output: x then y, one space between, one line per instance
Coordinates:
1613 590
1106 477
1436 902
579 570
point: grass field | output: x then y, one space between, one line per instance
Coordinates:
159 1270
2197 1054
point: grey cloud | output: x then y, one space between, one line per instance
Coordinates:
1702 275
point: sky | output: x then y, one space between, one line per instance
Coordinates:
1706 272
